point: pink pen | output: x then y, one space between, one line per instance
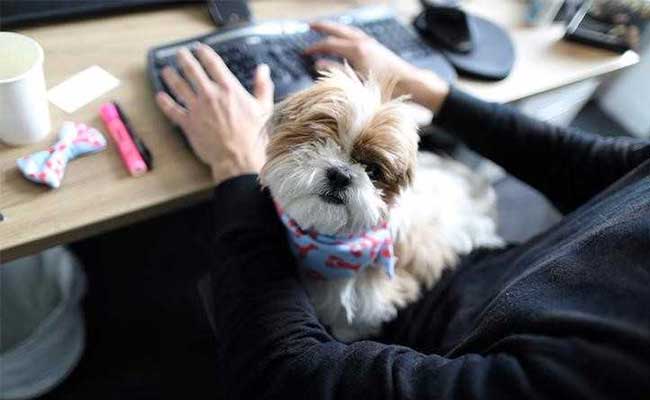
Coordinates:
128 150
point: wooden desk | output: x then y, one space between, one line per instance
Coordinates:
98 194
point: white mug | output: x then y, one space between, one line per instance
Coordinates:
24 112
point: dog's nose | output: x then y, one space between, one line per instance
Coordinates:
338 178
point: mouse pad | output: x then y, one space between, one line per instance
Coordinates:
492 56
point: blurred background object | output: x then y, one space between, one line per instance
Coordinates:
40 321
15 13
619 106
614 10
607 26
626 16
542 12
626 98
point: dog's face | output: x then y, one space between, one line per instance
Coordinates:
340 153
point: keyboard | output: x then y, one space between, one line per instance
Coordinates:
281 43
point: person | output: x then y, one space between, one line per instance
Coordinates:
563 315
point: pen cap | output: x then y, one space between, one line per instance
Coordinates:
108 112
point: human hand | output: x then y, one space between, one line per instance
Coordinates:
366 54
221 120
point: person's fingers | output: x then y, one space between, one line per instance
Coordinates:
193 71
215 66
264 85
178 85
332 45
338 30
170 108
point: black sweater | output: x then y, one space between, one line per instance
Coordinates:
564 315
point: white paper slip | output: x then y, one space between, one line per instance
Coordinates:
82 88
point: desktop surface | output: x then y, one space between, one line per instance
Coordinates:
98 194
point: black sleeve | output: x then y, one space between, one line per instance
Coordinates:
271 345
568 166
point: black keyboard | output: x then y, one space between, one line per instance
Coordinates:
280 44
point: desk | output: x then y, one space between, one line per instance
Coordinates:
98 194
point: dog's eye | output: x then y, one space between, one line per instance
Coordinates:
373 170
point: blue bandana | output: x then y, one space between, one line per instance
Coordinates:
327 257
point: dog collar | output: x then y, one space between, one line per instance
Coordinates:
327 257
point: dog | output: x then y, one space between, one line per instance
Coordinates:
344 170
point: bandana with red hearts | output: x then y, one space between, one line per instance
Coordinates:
327 257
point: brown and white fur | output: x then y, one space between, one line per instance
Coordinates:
436 208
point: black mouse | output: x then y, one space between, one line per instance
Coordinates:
446 25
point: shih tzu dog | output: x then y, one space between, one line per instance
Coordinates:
371 221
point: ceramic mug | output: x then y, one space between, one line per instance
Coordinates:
24 112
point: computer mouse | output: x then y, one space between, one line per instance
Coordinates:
447 26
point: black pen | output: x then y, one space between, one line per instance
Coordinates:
142 148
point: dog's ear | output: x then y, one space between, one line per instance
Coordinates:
276 118
288 110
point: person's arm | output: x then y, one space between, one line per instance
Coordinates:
270 343
568 166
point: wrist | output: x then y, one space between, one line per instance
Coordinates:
426 89
222 171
